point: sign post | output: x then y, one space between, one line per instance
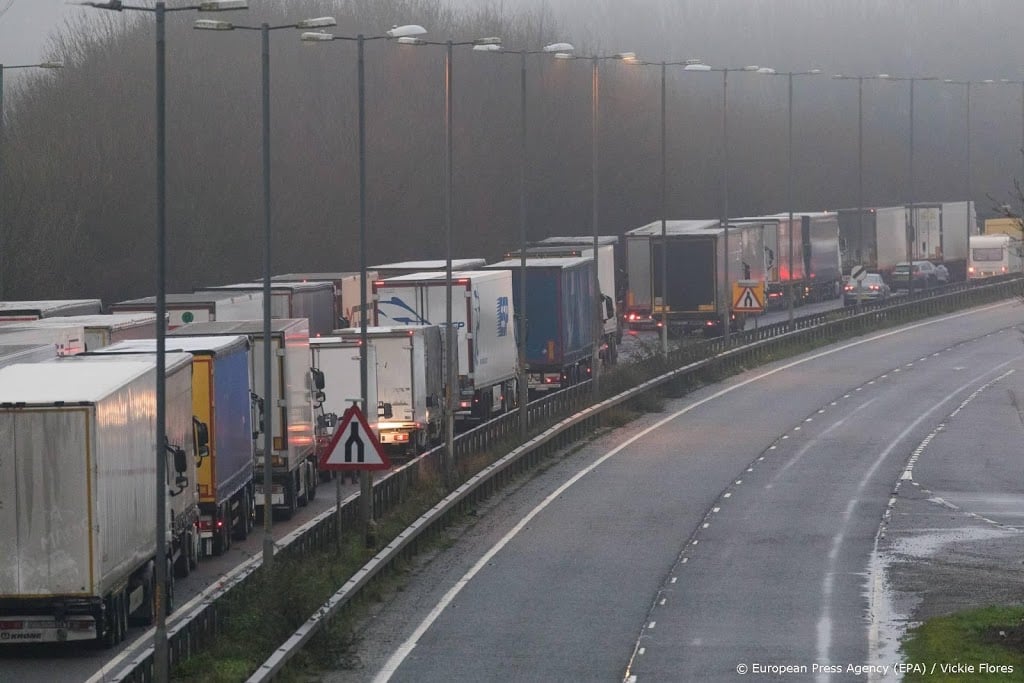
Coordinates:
858 273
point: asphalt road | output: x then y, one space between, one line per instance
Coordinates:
736 528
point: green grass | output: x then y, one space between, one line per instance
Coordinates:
970 638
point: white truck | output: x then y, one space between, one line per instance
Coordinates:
313 301
78 499
942 232
874 237
33 310
65 339
197 307
347 306
482 315
293 389
104 330
222 407
25 353
409 382
339 361
386 270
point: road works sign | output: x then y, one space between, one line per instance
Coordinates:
354 446
748 296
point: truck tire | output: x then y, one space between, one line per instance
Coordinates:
314 481
241 527
289 499
183 564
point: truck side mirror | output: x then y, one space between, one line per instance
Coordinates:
384 410
201 439
257 405
318 378
609 307
180 458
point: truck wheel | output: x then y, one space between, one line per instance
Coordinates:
289 499
242 526
314 481
183 565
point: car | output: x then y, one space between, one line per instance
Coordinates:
872 288
924 275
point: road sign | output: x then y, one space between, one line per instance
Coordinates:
354 446
748 296
858 273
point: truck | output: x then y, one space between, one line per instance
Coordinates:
1004 225
697 293
606 269
408 378
995 254
78 499
559 310
220 401
811 263
64 339
482 314
311 300
104 330
339 361
347 305
293 391
34 310
25 353
943 230
185 308
388 270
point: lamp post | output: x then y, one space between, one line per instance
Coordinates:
911 229
268 418
789 165
724 219
523 381
160 651
41 65
967 135
595 94
366 476
451 378
664 193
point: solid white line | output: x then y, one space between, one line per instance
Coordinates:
395 661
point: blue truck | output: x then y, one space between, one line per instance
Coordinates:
560 319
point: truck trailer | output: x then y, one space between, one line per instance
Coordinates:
942 233
389 270
339 361
25 353
347 306
482 315
551 248
408 379
78 500
34 310
65 339
220 401
104 330
292 457
195 307
697 294
313 301
559 310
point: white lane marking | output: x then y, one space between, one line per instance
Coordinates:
403 651
810 444
824 640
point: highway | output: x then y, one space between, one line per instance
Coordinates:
750 526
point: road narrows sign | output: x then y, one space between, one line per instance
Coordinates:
354 446
748 296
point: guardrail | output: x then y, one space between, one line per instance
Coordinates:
746 348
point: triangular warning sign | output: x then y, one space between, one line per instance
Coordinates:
748 297
354 446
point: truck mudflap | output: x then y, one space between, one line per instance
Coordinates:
49 621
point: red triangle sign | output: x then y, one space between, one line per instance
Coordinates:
354 446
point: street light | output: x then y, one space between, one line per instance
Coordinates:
451 378
595 91
524 391
789 164
41 65
967 122
268 417
911 229
724 220
160 651
408 30
664 195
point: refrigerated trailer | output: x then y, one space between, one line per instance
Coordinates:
221 400
65 339
339 361
347 306
292 454
408 381
942 232
311 300
78 500
33 310
25 353
875 238
104 330
482 315
388 270
199 307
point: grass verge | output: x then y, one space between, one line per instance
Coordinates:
960 646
